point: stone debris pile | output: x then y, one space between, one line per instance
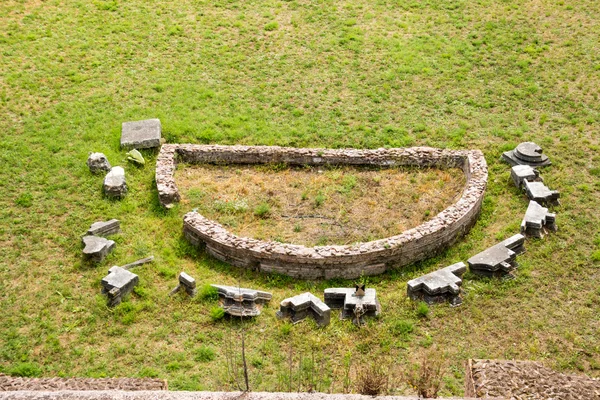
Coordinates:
537 221
305 305
97 162
102 228
118 283
540 193
438 286
97 248
522 173
500 259
354 303
241 302
527 153
143 134
187 283
114 183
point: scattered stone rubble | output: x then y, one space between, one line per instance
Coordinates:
521 173
97 162
540 193
141 134
305 305
118 283
537 221
242 302
96 248
527 153
102 228
187 283
114 183
438 286
355 303
499 260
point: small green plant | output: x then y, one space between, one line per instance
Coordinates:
230 207
217 313
208 293
403 328
297 228
304 196
422 310
319 200
262 210
24 200
285 329
271 26
204 354
25 369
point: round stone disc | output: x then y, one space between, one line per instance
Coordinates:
530 151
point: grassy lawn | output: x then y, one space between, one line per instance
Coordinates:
363 73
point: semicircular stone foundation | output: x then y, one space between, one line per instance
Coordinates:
327 262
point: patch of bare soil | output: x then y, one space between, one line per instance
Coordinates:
317 205
10 383
527 380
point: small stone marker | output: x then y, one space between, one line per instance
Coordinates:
304 305
537 221
438 286
97 162
500 259
540 193
118 283
241 302
114 183
353 305
96 248
141 134
521 173
527 153
104 228
186 282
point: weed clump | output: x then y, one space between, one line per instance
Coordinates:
372 380
217 313
262 210
208 293
204 354
422 310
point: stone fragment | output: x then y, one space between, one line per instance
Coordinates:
438 286
102 228
114 183
537 221
135 157
241 302
521 173
305 305
526 153
141 134
96 248
186 282
500 259
353 306
540 193
118 283
97 162
138 262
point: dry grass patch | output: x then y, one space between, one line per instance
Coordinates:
317 206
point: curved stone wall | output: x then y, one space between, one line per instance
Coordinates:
327 262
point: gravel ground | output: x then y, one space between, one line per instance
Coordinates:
9 383
528 380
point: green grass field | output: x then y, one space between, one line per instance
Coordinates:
364 73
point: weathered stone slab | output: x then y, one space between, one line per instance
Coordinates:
187 283
521 173
114 183
438 286
540 193
353 302
103 228
118 283
537 221
96 248
305 305
527 153
500 259
241 302
97 162
143 134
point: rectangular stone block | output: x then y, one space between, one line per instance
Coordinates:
141 134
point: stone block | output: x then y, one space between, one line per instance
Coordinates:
241 302
114 183
118 283
521 173
188 283
500 259
96 248
141 134
97 162
104 228
304 305
537 221
438 286
353 303
527 153
540 193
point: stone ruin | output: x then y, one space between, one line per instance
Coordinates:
537 221
141 134
438 286
305 305
97 162
326 262
526 153
117 284
114 183
540 193
354 303
500 259
102 228
187 283
241 302
521 173
97 248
